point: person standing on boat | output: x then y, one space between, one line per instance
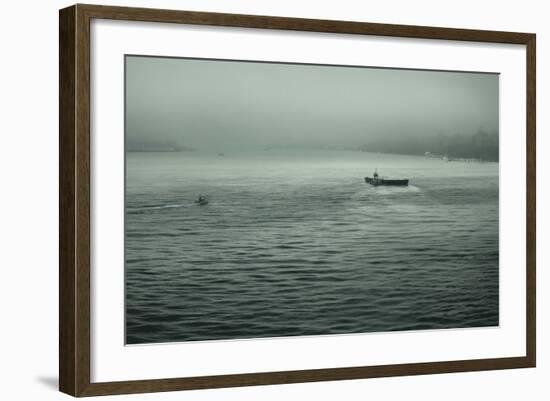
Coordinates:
375 175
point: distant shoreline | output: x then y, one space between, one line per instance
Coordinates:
444 158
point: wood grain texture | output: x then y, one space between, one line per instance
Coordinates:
300 24
300 376
531 321
74 206
74 199
82 200
67 254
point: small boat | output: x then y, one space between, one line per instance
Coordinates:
375 180
202 201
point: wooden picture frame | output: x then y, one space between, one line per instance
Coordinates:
74 200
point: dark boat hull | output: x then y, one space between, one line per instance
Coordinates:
383 181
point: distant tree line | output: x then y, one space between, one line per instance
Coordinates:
481 145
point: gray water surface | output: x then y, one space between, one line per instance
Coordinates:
295 243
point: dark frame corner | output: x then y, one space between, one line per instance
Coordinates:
74 199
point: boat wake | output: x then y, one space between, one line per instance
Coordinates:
389 190
151 208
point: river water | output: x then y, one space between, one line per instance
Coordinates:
296 243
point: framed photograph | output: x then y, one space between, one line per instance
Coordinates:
250 200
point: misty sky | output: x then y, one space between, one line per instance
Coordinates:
209 104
